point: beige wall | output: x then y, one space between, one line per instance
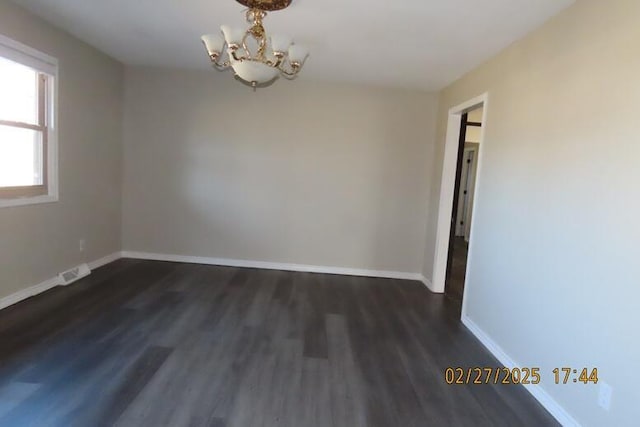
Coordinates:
37 242
554 271
316 174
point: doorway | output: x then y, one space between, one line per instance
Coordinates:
462 210
461 170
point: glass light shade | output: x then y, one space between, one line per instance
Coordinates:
280 43
232 35
213 42
298 53
252 71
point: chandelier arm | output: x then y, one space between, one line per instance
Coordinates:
288 76
279 59
262 48
215 61
258 33
247 52
267 62
241 58
295 69
225 65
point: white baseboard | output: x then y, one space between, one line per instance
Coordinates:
50 283
105 260
29 292
273 265
428 283
548 402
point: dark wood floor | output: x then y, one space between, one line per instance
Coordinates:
142 343
457 272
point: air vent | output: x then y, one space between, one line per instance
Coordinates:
76 273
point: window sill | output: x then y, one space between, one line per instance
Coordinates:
24 201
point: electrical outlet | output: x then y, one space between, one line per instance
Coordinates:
81 245
604 396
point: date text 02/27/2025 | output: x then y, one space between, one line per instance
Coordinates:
490 375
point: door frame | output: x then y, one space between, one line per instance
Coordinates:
447 189
462 137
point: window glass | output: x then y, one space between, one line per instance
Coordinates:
20 157
18 92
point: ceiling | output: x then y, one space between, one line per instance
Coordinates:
424 44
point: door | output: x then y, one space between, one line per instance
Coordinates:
465 197
454 213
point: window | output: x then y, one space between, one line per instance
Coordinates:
27 132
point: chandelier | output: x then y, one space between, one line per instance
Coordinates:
256 58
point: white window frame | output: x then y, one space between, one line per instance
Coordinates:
43 63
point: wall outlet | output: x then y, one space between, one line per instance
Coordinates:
82 245
604 396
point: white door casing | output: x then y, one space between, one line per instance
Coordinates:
447 190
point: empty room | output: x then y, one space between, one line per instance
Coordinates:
300 213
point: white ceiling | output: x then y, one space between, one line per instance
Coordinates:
423 44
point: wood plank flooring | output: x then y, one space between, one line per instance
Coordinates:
458 269
142 343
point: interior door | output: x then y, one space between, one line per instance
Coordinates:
473 174
464 197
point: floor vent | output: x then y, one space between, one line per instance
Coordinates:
76 273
